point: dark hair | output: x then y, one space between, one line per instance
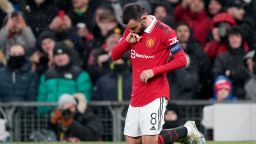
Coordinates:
235 31
183 24
132 11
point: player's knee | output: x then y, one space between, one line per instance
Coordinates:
150 139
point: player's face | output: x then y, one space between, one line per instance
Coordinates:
136 26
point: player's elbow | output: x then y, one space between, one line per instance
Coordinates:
114 56
183 59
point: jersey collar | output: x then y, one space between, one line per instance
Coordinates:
152 25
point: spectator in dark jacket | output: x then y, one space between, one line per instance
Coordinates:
215 7
61 26
99 60
172 116
39 14
73 121
82 11
231 63
17 81
116 85
188 81
161 12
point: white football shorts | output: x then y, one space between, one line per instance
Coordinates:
145 120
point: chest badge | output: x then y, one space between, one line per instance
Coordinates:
150 42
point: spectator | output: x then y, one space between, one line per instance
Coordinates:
16 31
250 85
17 81
161 13
100 59
248 60
215 7
192 11
236 8
82 11
116 85
64 77
5 8
61 26
187 82
73 121
231 64
43 57
222 24
105 21
223 90
171 117
39 14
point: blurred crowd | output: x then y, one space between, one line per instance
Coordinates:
55 47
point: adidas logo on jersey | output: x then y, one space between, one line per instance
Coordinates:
153 128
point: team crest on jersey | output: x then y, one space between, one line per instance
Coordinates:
150 42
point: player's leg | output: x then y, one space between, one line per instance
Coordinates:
131 128
150 139
189 130
169 136
151 120
133 140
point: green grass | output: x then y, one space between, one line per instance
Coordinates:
124 143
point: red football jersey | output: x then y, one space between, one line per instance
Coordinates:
151 52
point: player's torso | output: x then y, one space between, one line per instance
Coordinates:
148 53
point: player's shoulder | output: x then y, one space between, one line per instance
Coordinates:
163 28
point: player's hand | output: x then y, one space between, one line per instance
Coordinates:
146 75
132 38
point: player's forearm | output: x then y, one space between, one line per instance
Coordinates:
119 50
179 61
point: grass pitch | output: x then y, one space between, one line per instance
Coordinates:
120 143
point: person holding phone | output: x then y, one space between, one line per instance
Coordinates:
16 31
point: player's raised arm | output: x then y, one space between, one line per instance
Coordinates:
179 56
122 46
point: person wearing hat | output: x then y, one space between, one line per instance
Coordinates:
63 77
73 121
223 89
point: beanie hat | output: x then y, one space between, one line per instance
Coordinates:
46 34
66 99
236 3
60 48
222 82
